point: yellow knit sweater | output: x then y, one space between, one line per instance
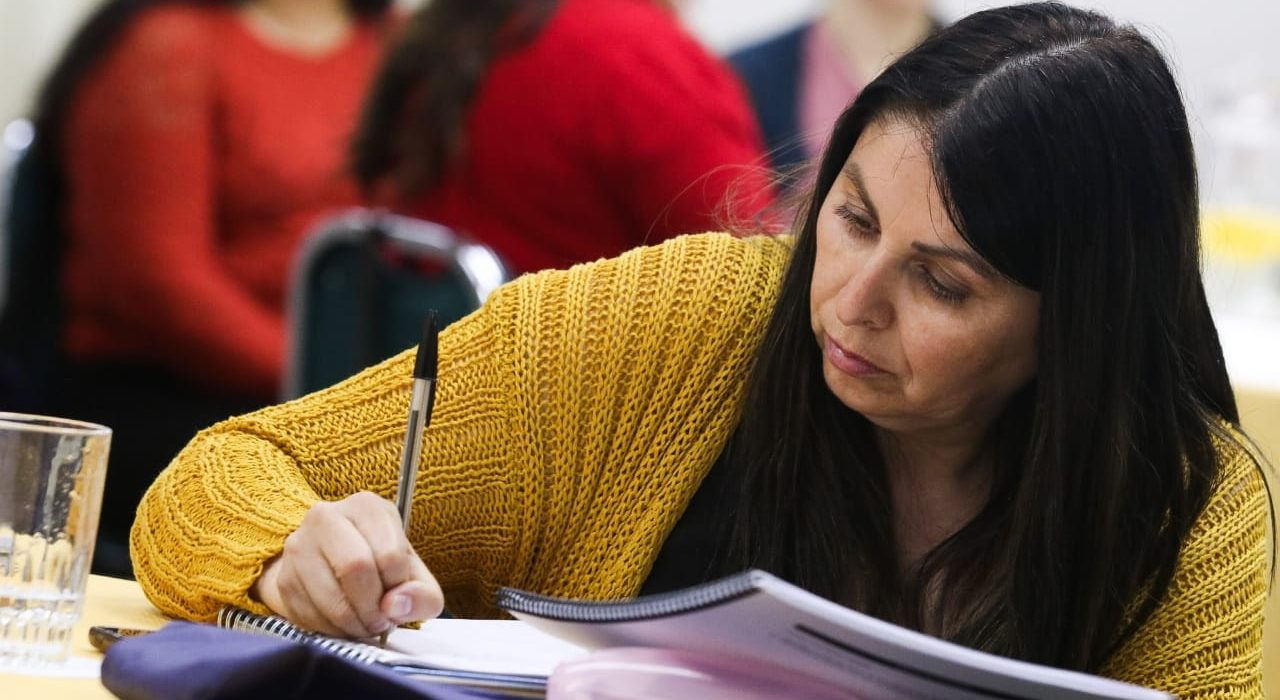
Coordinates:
576 414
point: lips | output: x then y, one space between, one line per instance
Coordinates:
848 362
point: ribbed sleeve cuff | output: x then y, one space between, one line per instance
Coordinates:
202 535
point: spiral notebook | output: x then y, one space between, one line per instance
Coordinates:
757 616
498 655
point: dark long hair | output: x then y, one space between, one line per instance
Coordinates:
412 125
1061 147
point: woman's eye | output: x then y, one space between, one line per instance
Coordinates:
858 223
939 290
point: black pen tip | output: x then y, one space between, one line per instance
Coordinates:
427 349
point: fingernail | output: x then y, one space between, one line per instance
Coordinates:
382 626
401 605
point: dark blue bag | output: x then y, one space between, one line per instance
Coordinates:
185 660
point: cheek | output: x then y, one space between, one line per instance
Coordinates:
828 274
822 287
950 358
934 351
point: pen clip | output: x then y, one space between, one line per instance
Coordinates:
427 360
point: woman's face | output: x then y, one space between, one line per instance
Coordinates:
917 332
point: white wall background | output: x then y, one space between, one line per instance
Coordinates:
31 35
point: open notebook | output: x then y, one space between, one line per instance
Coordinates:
758 616
503 655
752 615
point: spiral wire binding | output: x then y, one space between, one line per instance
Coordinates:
522 685
233 618
648 607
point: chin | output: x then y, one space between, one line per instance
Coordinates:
855 395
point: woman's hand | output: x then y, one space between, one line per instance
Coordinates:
349 570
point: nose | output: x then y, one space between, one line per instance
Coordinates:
865 298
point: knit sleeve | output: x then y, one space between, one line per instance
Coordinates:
141 165
1205 639
631 378
225 504
575 414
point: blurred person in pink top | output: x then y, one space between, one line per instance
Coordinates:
800 80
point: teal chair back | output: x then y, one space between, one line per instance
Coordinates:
363 283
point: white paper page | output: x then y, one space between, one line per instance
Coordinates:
488 646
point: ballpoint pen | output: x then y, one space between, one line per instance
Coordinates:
424 392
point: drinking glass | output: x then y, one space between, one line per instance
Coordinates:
51 477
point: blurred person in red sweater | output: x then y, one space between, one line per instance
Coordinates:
196 141
559 131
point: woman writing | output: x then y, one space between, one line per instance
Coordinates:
979 394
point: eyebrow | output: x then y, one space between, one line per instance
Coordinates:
854 175
973 260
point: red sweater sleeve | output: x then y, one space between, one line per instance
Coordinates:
140 154
684 126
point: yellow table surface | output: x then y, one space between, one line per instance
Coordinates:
109 601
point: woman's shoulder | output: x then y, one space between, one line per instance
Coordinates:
1207 631
1241 496
180 21
1240 501
737 260
607 21
625 40
1239 460
175 30
164 58
707 269
725 261
716 247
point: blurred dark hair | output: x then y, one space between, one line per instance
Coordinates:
413 119
1061 147
97 35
